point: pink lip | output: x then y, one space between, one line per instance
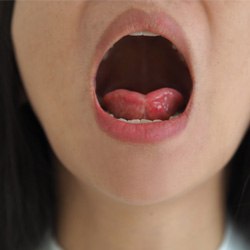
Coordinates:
131 21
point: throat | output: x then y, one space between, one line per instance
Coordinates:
159 226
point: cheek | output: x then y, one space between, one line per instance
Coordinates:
228 85
54 62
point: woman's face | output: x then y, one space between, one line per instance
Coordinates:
57 43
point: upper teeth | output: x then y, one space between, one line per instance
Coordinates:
174 47
143 33
138 121
106 55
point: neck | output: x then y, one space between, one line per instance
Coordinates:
91 220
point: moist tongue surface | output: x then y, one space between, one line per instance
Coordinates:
159 104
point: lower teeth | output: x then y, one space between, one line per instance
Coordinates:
141 121
138 121
174 116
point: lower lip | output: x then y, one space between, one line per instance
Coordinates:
141 133
146 132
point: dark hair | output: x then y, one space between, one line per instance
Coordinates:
27 200
27 177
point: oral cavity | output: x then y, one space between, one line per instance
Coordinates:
143 78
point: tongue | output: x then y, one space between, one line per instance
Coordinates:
158 104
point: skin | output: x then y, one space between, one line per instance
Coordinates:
116 195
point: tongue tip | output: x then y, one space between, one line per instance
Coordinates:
159 104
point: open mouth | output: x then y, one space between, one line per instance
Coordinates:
143 86
143 78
